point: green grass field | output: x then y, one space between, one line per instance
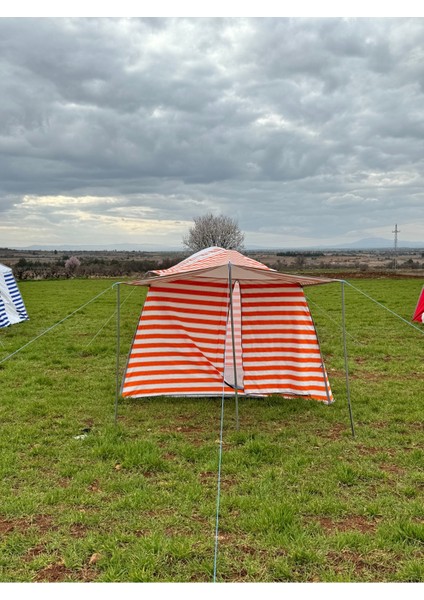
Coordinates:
83 499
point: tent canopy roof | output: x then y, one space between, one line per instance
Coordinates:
212 264
4 269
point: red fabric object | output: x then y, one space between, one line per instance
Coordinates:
419 311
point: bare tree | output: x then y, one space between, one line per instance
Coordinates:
210 230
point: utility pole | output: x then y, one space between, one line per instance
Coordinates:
396 231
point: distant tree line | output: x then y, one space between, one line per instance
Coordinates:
67 266
310 253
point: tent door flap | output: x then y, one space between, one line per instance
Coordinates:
233 358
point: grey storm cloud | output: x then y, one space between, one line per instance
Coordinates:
308 127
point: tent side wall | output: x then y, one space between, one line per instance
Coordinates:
12 307
179 344
281 352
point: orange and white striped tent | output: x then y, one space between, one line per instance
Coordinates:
220 321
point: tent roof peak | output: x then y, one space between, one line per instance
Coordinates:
212 264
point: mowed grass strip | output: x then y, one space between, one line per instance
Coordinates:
83 499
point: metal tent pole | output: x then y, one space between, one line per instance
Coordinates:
346 359
233 343
118 337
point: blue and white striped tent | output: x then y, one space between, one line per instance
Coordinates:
12 307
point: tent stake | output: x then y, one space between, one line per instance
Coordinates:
346 360
230 283
118 336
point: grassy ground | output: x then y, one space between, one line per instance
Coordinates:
302 500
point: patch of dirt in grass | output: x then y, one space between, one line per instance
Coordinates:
335 432
41 522
94 487
165 512
53 573
142 533
210 478
392 469
372 450
33 552
367 376
170 456
58 572
78 530
64 482
379 425
237 550
188 429
353 522
340 561
415 425
7 525
197 440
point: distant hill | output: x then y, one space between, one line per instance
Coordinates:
102 248
376 243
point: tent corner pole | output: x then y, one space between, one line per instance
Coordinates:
352 427
118 336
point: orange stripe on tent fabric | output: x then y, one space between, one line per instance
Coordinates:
175 318
177 302
282 296
146 367
251 329
176 377
282 363
281 314
193 283
302 381
253 285
175 386
165 346
146 364
283 386
175 292
147 354
276 338
263 370
204 326
156 319
277 304
263 379
199 337
273 325
185 392
183 310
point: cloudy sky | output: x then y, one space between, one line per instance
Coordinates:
307 131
